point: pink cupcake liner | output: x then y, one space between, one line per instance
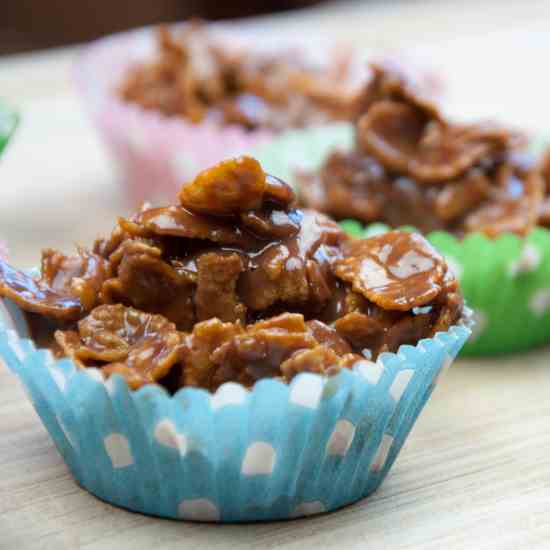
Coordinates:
157 153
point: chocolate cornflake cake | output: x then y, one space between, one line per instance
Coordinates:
412 166
200 79
234 283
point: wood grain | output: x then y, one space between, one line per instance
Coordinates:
475 472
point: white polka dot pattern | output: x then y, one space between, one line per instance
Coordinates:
341 438
167 435
13 342
110 386
118 449
370 370
67 433
306 391
95 374
228 394
59 378
308 509
539 303
382 453
400 383
259 459
528 261
480 324
198 509
5 318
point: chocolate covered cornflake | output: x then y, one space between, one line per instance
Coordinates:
235 283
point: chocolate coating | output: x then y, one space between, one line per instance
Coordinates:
236 284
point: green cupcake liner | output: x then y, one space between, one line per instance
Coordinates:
8 122
506 281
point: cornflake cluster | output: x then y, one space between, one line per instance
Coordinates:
200 79
235 283
412 166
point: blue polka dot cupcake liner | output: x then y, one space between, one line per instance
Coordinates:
273 452
506 281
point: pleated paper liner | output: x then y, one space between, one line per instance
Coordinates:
506 281
274 452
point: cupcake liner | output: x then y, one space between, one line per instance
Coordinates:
156 153
506 281
276 451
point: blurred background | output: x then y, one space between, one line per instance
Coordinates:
58 184
31 24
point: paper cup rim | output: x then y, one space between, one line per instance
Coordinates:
10 327
274 452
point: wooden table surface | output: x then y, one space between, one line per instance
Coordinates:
475 472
